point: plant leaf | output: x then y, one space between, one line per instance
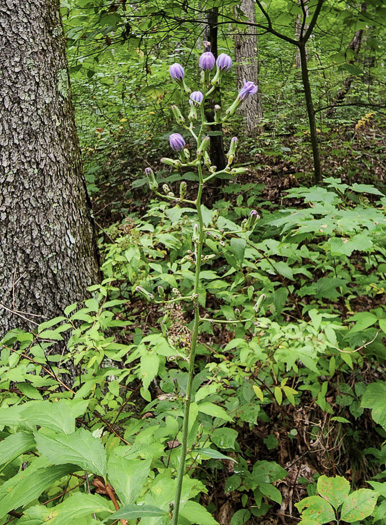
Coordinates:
334 490
358 505
79 448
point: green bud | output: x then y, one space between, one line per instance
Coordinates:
184 155
166 188
153 184
195 235
251 221
214 217
207 160
183 189
217 114
192 113
203 146
232 147
238 171
171 162
259 302
232 109
178 115
144 292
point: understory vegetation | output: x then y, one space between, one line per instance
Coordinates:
288 410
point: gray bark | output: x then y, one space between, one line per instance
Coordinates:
246 55
48 252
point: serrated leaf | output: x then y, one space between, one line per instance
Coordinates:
59 416
358 505
334 490
14 445
79 448
127 476
316 508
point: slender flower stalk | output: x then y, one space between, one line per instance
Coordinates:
201 162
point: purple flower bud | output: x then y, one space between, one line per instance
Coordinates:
224 62
253 212
148 171
207 61
196 98
248 89
176 142
176 72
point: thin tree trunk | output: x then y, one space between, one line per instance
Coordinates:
355 45
300 29
48 252
310 113
217 153
246 55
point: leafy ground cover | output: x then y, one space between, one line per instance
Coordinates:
279 400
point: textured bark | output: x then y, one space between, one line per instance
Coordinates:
47 251
246 55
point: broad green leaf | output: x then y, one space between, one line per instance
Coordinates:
334 490
271 492
149 368
283 269
316 508
14 445
132 512
363 321
267 472
127 476
30 391
374 398
79 448
278 395
74 507
213 410
258 392
224 437
358 505
58 416
197 514
238 249
378 487
27 485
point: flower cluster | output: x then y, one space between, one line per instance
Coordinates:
207 62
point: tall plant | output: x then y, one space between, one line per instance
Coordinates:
196 125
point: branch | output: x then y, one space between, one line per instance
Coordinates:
312 23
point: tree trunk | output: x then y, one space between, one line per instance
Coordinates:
246 55
300 29
48 252
355 45
217 154
311 114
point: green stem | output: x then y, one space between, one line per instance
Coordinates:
193 347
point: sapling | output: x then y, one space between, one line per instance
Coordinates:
196 125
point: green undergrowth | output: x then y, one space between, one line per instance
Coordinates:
92 401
